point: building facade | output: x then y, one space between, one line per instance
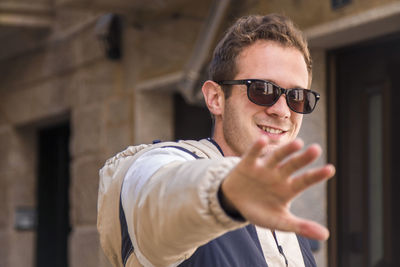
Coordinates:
81 80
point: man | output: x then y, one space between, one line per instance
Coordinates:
196 203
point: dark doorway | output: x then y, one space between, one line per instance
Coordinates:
191 121
366 85
53 224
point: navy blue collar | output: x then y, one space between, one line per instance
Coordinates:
216 144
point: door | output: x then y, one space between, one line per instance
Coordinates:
53 225
365 87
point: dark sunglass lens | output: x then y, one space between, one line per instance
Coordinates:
263 93
301 100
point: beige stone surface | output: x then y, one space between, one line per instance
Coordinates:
4 205
57 57
119 124
119 110
4 251
17 183
92 83
18 166
84 247
166 45
22 190
36 102
83 190
21 3
87 125
21 249
117 139
5 147
3 118
153 116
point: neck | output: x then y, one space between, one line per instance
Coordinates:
226 149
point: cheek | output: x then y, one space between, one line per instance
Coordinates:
297 120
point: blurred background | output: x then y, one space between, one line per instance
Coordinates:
83 79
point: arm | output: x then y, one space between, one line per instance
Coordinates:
170 201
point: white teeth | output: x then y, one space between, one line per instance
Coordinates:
271 130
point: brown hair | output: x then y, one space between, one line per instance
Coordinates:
246 31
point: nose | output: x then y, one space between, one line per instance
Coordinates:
280 109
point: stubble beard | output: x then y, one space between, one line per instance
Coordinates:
236 137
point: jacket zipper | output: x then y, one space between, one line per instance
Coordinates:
280 249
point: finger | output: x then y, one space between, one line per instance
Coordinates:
311 230
281 153
311 177
255 151
304 227
299 161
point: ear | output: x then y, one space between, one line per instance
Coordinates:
214 97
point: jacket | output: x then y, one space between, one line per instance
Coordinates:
168 213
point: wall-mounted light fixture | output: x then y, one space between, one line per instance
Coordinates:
109 31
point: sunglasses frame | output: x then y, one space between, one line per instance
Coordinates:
282 91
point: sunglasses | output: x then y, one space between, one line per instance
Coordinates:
265 93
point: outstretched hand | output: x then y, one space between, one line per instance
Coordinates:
262 185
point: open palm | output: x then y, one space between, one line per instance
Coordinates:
262 185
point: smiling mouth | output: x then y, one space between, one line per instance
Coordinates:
270 129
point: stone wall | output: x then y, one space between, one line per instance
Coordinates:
67 77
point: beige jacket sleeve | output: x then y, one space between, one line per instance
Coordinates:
171 205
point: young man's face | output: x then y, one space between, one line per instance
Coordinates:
243 122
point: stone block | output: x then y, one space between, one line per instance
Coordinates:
5 246
165 46
119 120
64 52
92 84
3 119
21 169
47 99
84 247
15 151
153 117
67 19
4 215
22 190
22 249
117 139
86 129
6 140
18 105
87 47
119 110
84 188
